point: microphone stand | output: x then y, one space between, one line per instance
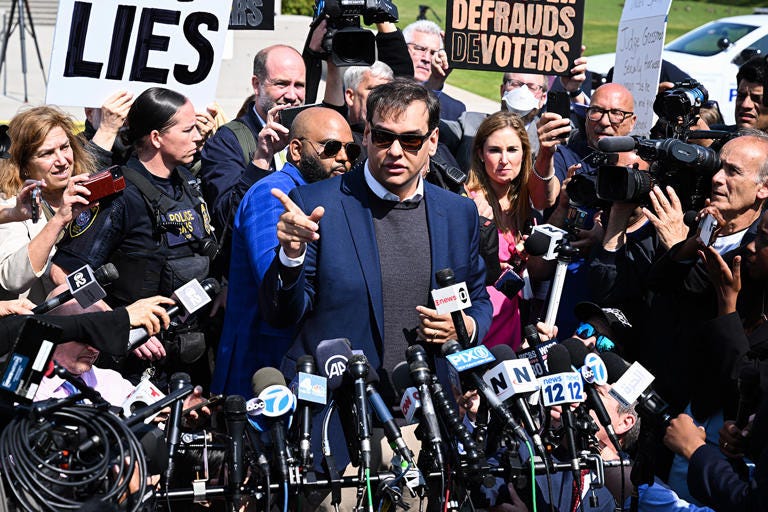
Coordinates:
565 255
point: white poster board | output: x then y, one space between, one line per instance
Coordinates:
639 44
102 46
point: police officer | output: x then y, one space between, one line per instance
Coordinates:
157 232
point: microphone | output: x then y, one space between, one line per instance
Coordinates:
173 434
616 144
596 374
452 348
418 367
559 365
139 335
531 335
749 394
357 367
84 286
142 414
632 383
510 379
278 403
544 241
391 430
306 381
234 416
452 298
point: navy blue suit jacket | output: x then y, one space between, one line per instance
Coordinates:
339 291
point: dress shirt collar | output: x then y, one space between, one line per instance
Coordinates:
382 193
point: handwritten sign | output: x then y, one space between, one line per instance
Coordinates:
104 46
529 37
639 44
252 15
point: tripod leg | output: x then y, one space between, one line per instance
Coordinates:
34 39
7 35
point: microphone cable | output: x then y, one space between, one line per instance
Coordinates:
69 454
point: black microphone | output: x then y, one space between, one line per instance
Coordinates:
531 335
80 283
452 347
234 416
357 366
578 351
391 430
559 361
305 364
274 413
139 335
173 433
418 367
749 394
616 144
446 278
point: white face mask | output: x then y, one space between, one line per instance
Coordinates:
520 101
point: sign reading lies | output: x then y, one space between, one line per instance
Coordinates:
528 37
104 46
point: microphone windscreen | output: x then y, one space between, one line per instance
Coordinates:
181 378
537 244
211 286
106 273
306 364
558 359
332 357
445 277
401 377
689 218
450 347
155 448
616 144
234 405
614 365
266 377
503 353
577 350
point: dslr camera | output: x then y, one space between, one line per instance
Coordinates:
346 42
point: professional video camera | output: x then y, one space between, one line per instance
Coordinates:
346 42
680 106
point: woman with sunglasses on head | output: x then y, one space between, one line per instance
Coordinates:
499 185
157 232
46 164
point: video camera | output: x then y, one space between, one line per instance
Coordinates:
346 42
680 106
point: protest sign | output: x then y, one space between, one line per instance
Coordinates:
252 15
527 37
103 46
639 44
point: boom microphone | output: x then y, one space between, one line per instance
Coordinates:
616 144
139 335
83 286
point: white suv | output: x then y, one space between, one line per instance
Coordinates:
710 54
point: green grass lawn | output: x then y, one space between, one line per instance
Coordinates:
601 21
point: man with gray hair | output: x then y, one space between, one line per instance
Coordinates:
430 64
358 82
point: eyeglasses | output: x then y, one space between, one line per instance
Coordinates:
615 116
602 344
331 148
511 82
423 49
408 141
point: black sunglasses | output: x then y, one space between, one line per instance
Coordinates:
408 141
331 148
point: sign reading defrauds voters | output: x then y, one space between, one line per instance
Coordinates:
104 46
252 15
501 35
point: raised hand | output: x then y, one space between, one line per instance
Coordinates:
295 229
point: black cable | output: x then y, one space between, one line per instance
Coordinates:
68 456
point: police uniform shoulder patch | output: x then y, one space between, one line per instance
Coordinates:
82 222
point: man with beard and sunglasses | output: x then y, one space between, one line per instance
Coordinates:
320 146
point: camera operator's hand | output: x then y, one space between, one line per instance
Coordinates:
317 36
733 442
16 307
272 138
726 280
586 238
667 217
684 437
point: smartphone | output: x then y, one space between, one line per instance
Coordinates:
558 102
205 403
707 230
105 183
289 114
35 206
